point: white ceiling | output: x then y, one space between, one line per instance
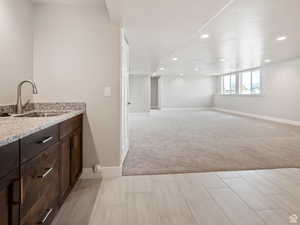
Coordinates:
156 28
243 32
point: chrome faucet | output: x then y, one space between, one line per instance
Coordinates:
20 106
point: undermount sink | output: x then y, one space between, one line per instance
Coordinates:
41 114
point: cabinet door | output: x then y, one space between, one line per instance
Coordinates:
65 149
9 198
40 187
76 155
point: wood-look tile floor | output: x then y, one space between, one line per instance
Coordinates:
78 207
262 197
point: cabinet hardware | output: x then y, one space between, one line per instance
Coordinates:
47 172
46 140
48 213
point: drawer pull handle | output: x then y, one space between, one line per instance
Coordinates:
49 211
46 140
48 171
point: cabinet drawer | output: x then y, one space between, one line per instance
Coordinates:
67 127
38 142
9 158
40 180
42 213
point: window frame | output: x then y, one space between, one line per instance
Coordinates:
238 76
251 83
230 82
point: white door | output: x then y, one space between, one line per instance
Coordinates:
125 103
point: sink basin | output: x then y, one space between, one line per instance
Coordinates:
41 114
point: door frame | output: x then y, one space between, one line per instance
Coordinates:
124 97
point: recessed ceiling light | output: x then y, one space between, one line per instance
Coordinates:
162 68
175 59
222 60
267 60
282 38
204 36
181 74
196 69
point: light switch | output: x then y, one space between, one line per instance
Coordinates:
107 91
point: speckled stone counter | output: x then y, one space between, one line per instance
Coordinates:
14 128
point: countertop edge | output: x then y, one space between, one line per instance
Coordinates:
45 125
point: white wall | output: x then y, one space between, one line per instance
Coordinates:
16 48
187 91
139 93
281 95
77 54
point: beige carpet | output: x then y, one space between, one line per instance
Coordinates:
201 141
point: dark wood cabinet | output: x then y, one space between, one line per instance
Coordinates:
34 144
9 199
76 155
71 150
68 127
65 167
40 186
38 172
9 158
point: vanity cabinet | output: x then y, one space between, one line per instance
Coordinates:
9 184
71 153
65 167
76 155
9 158
38 172
9 198
40 187
34 144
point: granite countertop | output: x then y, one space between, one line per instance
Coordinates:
15 128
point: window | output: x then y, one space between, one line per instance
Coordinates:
243 83
229 84
256 82
250 83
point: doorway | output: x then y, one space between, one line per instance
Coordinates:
155 93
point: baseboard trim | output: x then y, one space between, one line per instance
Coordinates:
138 113
110 172
106 172
268 118
88 173
187 109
